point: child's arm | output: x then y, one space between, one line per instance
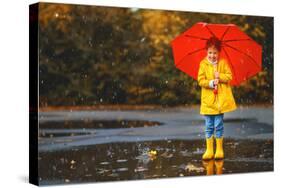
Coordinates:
226 75
203 82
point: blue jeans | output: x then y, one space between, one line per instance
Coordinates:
214 123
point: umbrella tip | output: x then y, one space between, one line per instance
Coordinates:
203 23
231 24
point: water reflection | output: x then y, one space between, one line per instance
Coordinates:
153 159
213 166
88 123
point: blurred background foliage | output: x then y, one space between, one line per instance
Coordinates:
92 55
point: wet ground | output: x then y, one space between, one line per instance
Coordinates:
131 161
94 146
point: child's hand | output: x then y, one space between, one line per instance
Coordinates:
217 74
216 81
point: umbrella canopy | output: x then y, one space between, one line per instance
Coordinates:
243 54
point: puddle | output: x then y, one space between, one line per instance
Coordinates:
226 120
96 124
43 134
239 120
151 159
53 129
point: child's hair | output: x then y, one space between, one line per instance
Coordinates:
213 41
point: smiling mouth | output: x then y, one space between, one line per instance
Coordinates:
212 59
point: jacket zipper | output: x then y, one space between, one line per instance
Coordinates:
218 102
216 68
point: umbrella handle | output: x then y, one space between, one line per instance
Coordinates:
216 90
216 86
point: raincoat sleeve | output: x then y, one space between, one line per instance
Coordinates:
202 80
226 75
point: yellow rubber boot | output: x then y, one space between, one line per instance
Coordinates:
219 148
209 153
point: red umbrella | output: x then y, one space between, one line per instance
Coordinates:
244 55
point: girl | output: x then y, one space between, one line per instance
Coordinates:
214 76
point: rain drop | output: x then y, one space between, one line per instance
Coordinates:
143 39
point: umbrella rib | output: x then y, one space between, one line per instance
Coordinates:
234 40
231 66
196 37
210 31
243 54
225 33
190 53
195 51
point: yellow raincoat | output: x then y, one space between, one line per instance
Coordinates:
212 104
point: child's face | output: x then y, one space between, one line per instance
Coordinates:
212 54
